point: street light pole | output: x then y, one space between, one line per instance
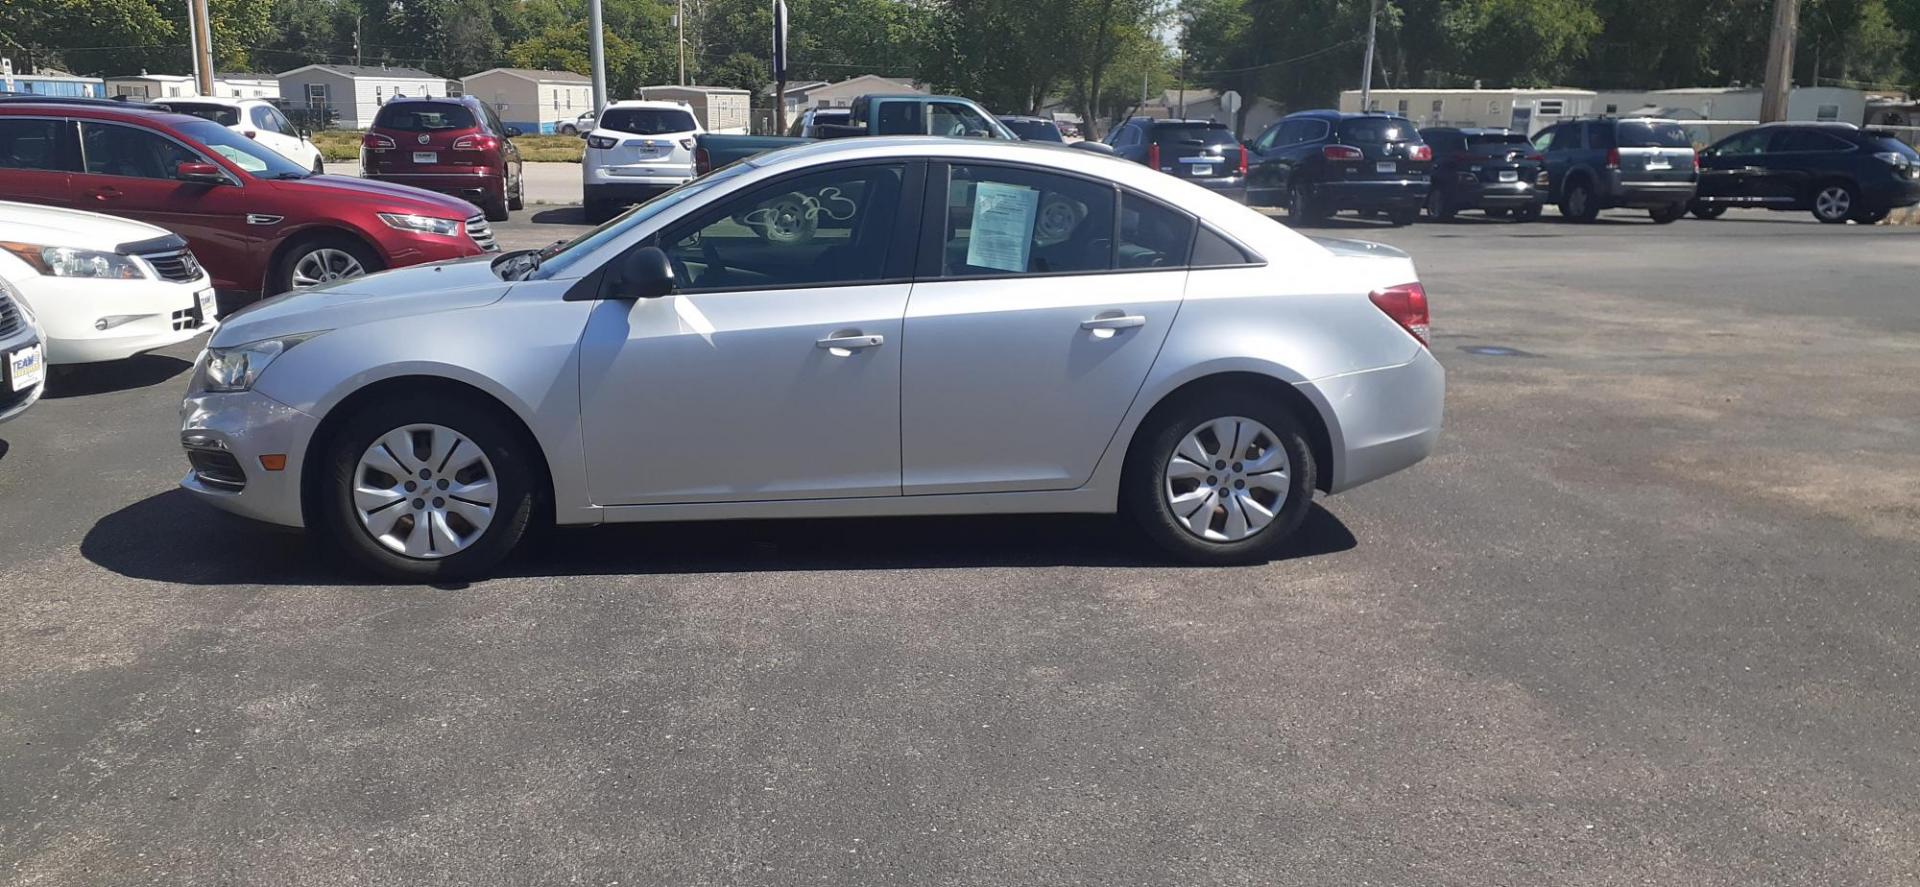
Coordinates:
597 49
1366 75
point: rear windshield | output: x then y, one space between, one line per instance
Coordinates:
1495 140
1637 134
423 117
1377 131
648 121
1034 130
221 114
1194 134
1884 144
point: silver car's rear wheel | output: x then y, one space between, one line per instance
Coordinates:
325 264
425 491
1228 479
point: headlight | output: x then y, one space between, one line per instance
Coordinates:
66 261
422 224
238 367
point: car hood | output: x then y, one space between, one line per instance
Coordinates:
406 197
407 292
50 226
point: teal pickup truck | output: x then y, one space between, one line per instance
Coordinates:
880 115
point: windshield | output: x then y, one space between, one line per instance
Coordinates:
1495 140
423 117
1377 130
221 114
241 151
647 121
556 260
1638 134
1034 130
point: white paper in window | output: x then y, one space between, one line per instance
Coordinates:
1002 234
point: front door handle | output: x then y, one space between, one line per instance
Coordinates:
1124 322
845 345
106 194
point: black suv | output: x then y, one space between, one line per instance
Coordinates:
1495 170
1837 170
1636 163
1201 151
1317 163
1033 129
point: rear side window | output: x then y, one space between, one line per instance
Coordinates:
652 121
1600 135
1640 134
1152 235
30 144
423 117
1210 250
1194 135
220 114
1797 141
1377 131
1017 221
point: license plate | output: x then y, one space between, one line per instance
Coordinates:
26 367
428 157
1658 163
1509 175
1199 170
1384 166
209 308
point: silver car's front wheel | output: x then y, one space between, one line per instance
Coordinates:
324 265
425 491
1227 480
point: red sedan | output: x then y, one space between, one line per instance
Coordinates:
258 222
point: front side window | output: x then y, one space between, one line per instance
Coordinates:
830 227
957 121
225 115
1266 139
114 150
1746 144
1004 221
1545 139
30 144
255 158
263 119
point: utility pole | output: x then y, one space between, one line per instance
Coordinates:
359 51
1366 75
1183 80
193 45
597 49
203 47
1773 98
779 67
681 22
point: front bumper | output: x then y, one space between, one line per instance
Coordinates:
226 434
1388 418
1382 194
146 315
13 403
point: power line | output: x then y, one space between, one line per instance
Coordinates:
1299 58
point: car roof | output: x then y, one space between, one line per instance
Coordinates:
650 103
433 99
1024 118
96 109
1330 114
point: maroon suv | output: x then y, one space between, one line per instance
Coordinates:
259 222
456 146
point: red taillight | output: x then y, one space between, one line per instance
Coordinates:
1420 152
1536 158
376 141
1243 160
1613 158
1407 305
1696 161
1153 155
1340 152
702 162
476 143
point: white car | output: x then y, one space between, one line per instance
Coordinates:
256 119
578 125
636 150
23 361
103 288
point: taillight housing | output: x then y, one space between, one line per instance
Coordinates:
374 141
476 143
1243 160
1613 158
1407 305
702 162
1536 158
687 144
1696 161
1340 152
1420 152
602 142
1153 155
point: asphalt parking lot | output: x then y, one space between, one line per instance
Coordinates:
1649 616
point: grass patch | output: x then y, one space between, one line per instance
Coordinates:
343 145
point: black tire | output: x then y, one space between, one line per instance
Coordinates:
1143 481
1302 209
1403 216
599 211
1707 212
481 424
1439 208
1524 214
1578 204
516 199
1498 213
495 208
1667 215
320 167
282 280
568 129
1844 197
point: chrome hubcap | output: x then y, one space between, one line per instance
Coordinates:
1227 479
1833 202
424 491
324 265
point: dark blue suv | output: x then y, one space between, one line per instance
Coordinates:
1837 170
1317 163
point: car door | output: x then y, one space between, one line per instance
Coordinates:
1556 144
1729 169
773 371
1797 159
130 171
265 129
37 159
1028 333
1259 175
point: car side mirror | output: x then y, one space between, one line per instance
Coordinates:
644 273
513 131
1095 147
203 173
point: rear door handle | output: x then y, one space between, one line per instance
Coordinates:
1125 322
850 343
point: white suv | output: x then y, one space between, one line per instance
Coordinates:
256 119
637 149
103 288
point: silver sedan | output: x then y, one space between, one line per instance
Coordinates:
861 327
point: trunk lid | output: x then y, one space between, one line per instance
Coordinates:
428 137
1390 149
